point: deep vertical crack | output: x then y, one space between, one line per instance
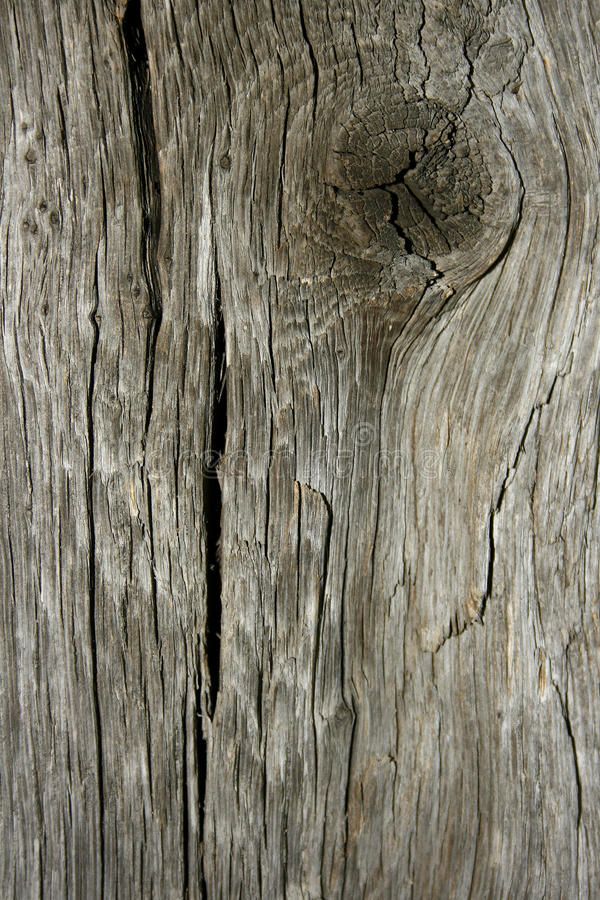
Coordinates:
313 59
212 524
578 787
93 627
146 155
200 758
149 181
489 580
148 178
185 811
212 496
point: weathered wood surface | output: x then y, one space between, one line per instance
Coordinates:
353 246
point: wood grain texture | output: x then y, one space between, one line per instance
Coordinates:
299 393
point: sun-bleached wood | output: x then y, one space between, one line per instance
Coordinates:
299 380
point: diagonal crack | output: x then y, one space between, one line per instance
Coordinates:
510 471
564 708
390 189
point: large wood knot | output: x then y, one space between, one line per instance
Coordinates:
413 194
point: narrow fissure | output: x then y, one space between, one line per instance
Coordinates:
496 509
92 576
564 708
412 164
185 812
394 219
578 787
149 182
149 187
200 759
489 581
212 525
148 176
313 60
212 498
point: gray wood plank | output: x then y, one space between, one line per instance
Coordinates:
348 252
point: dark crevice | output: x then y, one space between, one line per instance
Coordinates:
395 219
280 190
456 629
421 28
401 179
153 584
564 708
93 626
319 622
148 178
412 164
578 786
312 57
200 762
212 498
185 801
489 581
426 213
146 155
347 793
212 525
149 182
390 189
357 52
149 192
470 70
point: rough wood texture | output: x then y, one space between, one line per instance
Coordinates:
345 256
